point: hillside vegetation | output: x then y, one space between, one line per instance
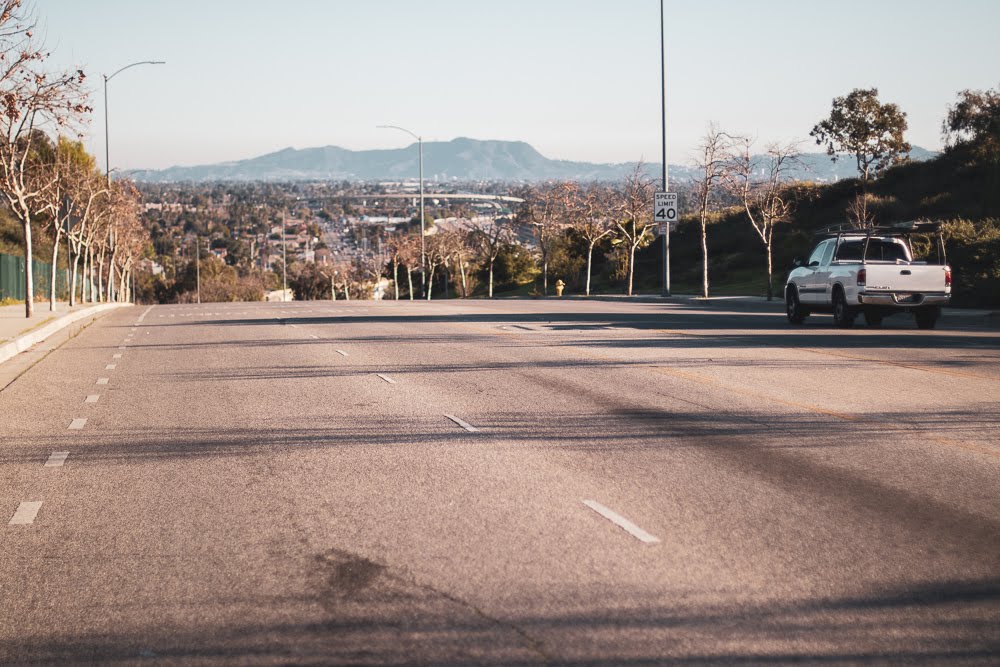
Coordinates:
954 188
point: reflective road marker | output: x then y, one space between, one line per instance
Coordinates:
620 521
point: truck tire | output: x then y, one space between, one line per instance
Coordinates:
873 318
793 307
927 317
843 315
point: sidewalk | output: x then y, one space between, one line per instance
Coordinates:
18 333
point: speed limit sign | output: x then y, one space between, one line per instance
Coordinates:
665 207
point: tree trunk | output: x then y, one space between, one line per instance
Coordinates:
465 286
409 280
55 271
430 282
447 279
111 276
395 278
545 276
590 254
631 268
704 258
770 283
29 284
491 278
72 282
100 276
347 291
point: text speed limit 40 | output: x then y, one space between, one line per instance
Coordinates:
665 207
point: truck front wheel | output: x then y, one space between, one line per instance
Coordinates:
793 307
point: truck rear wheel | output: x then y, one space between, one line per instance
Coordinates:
873 318
843 315
927 317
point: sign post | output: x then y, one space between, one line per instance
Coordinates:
665 216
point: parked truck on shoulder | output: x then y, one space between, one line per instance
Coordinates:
871 272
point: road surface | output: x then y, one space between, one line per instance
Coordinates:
501 483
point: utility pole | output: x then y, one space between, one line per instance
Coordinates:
284 262
663 118
197 265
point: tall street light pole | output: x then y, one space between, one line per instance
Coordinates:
284 261
663 119
423 251
107 142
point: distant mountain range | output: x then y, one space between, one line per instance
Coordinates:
461 159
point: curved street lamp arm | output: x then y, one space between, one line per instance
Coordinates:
141 62
397 127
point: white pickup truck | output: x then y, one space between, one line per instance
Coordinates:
870 272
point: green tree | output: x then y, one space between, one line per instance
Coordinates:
974 121
861 126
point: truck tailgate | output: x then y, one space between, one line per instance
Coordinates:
915 278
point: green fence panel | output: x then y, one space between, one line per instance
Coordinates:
12 279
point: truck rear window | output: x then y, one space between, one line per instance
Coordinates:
878 250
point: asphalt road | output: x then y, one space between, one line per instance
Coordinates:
501 483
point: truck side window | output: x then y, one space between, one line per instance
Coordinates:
817 254
828 255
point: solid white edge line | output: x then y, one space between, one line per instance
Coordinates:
464 424
78 423
56 459
623 523
25 513
386 378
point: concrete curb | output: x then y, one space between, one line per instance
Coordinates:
19 345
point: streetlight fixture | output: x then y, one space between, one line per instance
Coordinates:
107 152
423 252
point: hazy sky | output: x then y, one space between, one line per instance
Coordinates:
577 79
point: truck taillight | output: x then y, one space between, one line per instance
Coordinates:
947 277
863 277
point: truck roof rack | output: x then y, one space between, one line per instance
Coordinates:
896 229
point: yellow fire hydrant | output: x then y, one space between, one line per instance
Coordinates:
560 286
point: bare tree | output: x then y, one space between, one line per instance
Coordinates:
759 182
489 236
543 209
858 213
634 215
32 100
713 163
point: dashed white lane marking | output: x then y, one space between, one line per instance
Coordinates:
78 423
294 326
623 523
25 513
314 336
102 380
92 398
56 459
386 378
122 347
464 424
341 353
117 356
110 367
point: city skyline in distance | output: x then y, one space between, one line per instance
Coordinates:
578 81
